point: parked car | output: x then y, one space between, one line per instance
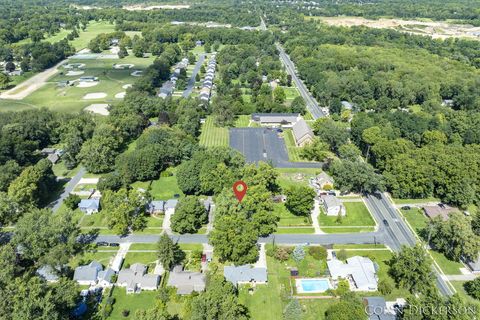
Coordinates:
332 193
279 130
114 244
102 244
406 208
385 222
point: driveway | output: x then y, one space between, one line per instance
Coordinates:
68 189
191 81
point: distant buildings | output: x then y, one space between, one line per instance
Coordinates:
89 206
207 86
135 279
245 274
186 282
332 206
361 273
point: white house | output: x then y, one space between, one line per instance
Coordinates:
92 274
332 205
135 279
360 271
89 206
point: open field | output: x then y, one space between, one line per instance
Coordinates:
288 219
213 136
132 302
357 219
291 177
70 98
94 28
434 29
415 201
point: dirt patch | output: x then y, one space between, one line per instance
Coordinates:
99 108
434 29
74 73
123 66
137 73
87 84
94 95
120 95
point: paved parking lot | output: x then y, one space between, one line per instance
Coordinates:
264 144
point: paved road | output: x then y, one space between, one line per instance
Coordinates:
191 81
397 232
312 104
264 144
68 188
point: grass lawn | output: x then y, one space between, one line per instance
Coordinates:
358 246
163 188
416 219
291 177
87 257
140 257
290 92
292 149
458 285
447 266
413 201
289 219
60 170
295 230
70 98
143 246
357 216
131 302
213 136
242 121
94 28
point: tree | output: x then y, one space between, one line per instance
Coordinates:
356 176
300 200
47 238
72 201
298 105
293 310
334 133
189 215
411 269
473 288
9 209
317 150
385 286
348 307
4 81
98 154
8 172
298 253
155 313
9 66
125 210
279 95
169 253
197 77
219 301
318 252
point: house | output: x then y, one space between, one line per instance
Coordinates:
439 210
376 309
332 205
87 275
89 206
302 133
135 279
53 158
186 282
360 271
276 119
170 206
474 265
47 151
245 274
347 105
156 206
324 180
104 278
47 273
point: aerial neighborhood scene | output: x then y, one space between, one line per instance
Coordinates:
234 160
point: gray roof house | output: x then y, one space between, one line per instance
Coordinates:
170 205
89 206
276 119
87 275
376 308
53 158
245 274
332 205
135 279
47 273
302 133
156 206
186 282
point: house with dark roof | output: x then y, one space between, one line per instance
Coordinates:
135 279
186 282
89 206
439 211
302 133
245 274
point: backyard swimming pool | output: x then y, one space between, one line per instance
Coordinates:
312 285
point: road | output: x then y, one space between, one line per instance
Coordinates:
191 81
397 232
68 188
312 104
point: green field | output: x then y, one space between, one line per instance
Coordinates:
447 266
242 121
163 188
70 98
213 136
140 257
94 28
415 217
357 219
289 219
414 201
132 302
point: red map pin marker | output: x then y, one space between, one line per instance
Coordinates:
239 188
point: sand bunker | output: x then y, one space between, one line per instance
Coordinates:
100 108
123 66
137 73
120 95
126 86
74 66
74 73
94 95
115 50
87 84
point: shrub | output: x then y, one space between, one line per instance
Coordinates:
318 252
298 253
342 255
342 288
473 288
282 254
125 313
385 286
72 201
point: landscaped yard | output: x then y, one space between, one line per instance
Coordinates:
132 302
289 219
291 177
357 219
213 136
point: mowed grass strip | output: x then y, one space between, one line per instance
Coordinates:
357 219
213 136
292 149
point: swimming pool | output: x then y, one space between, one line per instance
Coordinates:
312 285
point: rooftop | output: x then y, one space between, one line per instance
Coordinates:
245 273
301 129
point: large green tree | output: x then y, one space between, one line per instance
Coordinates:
189 215
347 308
168 252
300 200
125 210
